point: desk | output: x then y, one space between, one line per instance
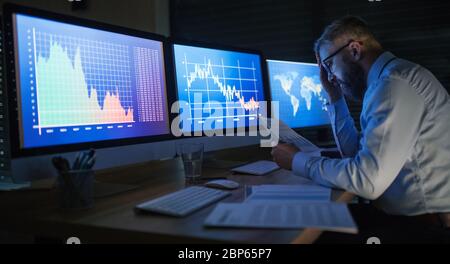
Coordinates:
112 219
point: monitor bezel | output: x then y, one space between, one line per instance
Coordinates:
216 46
11 91
300 128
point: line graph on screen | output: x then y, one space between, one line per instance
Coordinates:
232 86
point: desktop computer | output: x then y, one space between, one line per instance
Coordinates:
74 84
222 88
296 86
221 91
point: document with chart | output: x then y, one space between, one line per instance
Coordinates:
276 215
285 134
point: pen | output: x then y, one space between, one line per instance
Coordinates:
76 164
89 163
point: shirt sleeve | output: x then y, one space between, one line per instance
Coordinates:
393 115
345 133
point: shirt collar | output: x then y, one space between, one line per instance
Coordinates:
378 66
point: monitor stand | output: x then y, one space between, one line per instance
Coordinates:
10 186
101 189
7 184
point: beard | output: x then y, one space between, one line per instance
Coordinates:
352 83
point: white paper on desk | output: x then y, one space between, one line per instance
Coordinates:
288 135
289 193
326 216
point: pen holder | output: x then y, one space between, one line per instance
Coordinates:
76 189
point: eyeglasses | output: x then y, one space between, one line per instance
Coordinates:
327 64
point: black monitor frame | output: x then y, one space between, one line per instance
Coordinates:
297 129
16 150
211 45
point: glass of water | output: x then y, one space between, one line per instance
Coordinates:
192 156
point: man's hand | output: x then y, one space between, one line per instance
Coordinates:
331 87
283 154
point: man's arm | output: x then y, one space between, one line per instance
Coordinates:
393 120
344 130
345 133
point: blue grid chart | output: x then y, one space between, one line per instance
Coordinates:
79 84
226 81
105 68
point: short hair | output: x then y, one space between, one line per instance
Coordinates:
351 26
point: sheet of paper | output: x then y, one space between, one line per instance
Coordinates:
289 193
288 135
274 215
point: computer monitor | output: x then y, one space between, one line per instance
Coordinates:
297 88
78 84
224 88
75 84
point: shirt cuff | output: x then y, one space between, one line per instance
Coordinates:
299 163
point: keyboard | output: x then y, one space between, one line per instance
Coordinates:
184 202
259 168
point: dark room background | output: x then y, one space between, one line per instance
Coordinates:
284 29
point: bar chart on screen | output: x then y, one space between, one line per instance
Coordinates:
68 97
84 84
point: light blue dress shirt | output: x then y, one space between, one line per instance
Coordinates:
401 159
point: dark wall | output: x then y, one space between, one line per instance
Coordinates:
136 14
415 30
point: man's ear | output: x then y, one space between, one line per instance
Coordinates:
356 50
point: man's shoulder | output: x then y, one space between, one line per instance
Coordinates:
403 69
396 78
418 76
393 87
421 80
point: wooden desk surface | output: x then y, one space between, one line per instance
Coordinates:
113 220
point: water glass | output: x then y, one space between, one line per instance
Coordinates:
192 156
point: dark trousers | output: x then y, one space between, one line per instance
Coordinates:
388 229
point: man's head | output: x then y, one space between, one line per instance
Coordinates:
347 49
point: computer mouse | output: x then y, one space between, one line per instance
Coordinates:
223 184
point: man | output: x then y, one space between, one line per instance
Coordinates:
401 157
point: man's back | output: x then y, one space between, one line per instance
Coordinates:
423 184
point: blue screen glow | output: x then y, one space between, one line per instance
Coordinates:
78 84
297 88
218 85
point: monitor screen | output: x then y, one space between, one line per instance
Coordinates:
297 88
77 84
223 88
